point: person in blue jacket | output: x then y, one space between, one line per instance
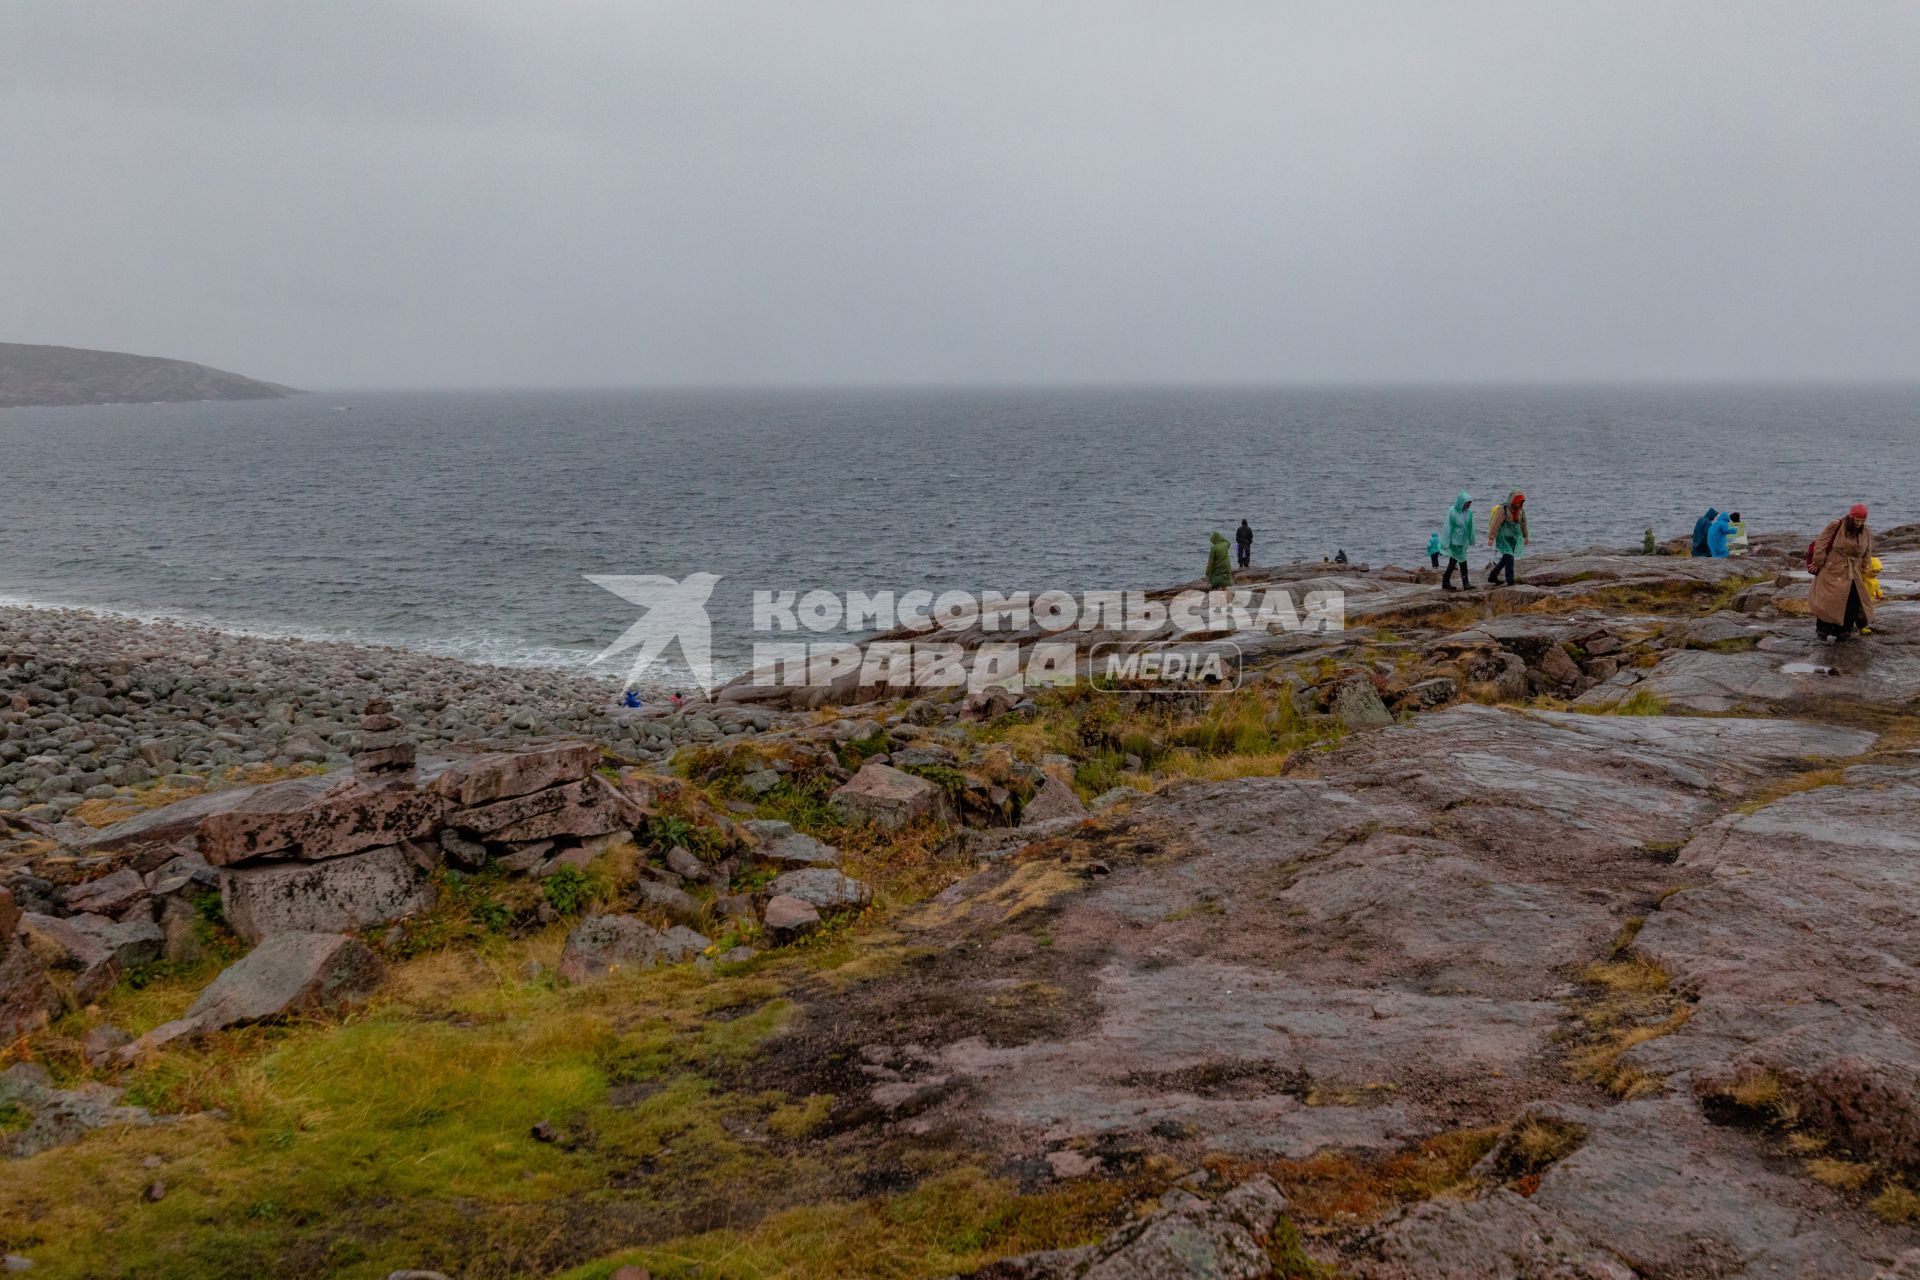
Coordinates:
1718 534
1700 528
1433 549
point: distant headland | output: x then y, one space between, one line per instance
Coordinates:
38 375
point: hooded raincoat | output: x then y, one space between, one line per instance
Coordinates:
1459 535
1840 559
1510 528
1700 528
1717 534
1219 564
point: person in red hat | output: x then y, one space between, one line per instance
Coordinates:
1842 605
1507 534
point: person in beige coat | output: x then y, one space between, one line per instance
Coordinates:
1840 600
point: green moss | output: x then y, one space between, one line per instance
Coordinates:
1642 702
1289 1255
568 890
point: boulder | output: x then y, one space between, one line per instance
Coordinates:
460 852
1431 693
1186 1238
826 889
56 1117
887 798
1055 799
590 807
102 1042
180 922
788 917
1357 703
674 903
482 779
1510 681
779 844
1558 666
108 896
181 819
294 822
187 871
681 862
93 949
338 895
525 856
288 973
27 996
678 944
602 945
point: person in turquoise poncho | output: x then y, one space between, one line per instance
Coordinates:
1508 535
1717 534
1459 537
1433 549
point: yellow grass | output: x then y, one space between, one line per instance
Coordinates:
1842 1175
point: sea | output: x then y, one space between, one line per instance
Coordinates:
466 523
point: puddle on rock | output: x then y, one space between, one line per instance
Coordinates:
1808 669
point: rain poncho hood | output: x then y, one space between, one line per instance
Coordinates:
1510 527
1459 534
1219 566
1700 528
1717 534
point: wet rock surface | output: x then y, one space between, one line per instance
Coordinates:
1394 943
1188 1237
1675 953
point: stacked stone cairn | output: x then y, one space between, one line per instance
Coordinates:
384 749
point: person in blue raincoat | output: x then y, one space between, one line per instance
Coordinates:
1717 534
1700 528
1433 549
1456 540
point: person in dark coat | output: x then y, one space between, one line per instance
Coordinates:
1700 527
1243 543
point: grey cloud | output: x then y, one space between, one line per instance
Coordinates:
615 193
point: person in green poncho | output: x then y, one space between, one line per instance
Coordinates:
1219 564
1457 539
1508 534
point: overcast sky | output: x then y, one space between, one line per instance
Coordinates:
407 193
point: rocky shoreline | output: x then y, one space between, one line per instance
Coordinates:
93 705
1557 932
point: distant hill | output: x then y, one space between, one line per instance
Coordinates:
74 375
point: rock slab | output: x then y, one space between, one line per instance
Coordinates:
288 973
887 798
338 895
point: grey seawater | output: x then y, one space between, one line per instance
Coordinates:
462 523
